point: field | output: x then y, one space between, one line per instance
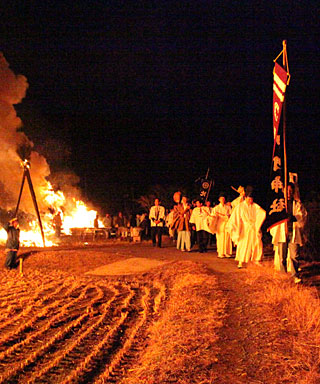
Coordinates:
129 314
63 327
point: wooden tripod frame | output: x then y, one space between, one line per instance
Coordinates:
26 175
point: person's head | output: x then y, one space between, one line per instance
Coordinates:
120 214
198 203
222 200
156 202
107 214
208 203
184 199
249 199
177 197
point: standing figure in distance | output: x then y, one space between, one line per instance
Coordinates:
181 218
287 241
157 219
222 212
12 244
199 218
57 224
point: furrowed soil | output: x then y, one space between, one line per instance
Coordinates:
119 312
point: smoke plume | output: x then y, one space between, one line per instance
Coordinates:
14 143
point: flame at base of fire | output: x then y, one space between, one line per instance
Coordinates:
74 214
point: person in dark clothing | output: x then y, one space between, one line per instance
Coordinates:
12 244
57 224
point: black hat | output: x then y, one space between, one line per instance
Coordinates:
249 191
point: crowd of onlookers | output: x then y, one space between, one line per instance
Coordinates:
121 226
232 225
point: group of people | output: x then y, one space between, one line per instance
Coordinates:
122 226
235 224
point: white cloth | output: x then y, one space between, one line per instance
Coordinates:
224 243
278 232
184 240
278 266
244 227
169 219
157 212
200 217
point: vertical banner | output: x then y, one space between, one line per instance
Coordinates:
280 77
277 209
205 188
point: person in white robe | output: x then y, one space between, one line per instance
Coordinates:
244 227
289 236
169 224
157 216
222 213
199 217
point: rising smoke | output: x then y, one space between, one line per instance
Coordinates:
15 145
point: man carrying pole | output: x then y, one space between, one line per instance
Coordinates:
287 215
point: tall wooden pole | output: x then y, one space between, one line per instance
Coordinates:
284 124
20 194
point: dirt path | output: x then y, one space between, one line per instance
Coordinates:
250 333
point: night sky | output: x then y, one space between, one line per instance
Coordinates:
129 94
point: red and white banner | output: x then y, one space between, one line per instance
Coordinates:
277 212
280 77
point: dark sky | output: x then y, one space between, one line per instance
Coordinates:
156 92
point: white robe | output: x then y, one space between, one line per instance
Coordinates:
278 233
244 227
224 243
200 218
157 212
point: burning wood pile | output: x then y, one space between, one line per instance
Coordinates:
46 213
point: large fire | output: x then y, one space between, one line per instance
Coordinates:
14 146
74 214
